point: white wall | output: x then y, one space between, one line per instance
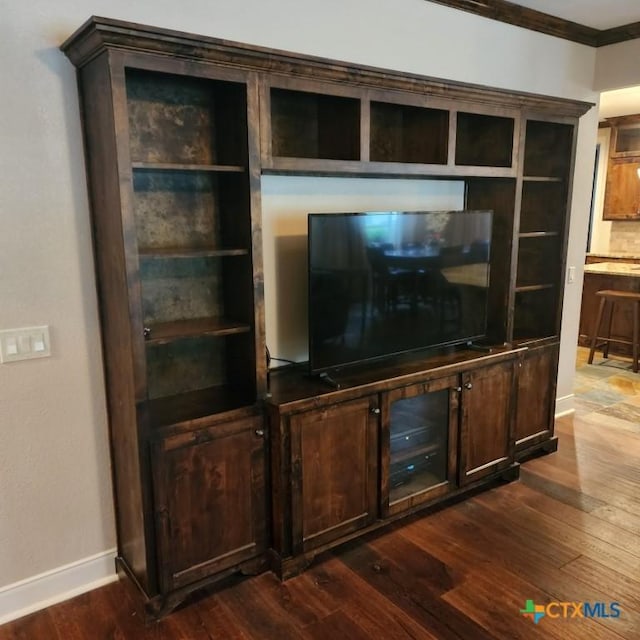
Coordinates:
54 471
617 66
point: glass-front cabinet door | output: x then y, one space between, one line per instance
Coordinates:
419 443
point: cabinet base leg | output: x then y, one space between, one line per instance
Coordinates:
511 474
541 448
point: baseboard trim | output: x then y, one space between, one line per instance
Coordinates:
565 406
43 590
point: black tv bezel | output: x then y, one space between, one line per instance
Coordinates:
467 340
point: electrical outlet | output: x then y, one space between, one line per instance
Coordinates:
24 344
571 275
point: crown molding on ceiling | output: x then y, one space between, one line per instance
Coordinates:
519 16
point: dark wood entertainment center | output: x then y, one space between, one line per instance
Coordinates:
219 466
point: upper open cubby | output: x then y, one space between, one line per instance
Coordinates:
176 120
313 125
547 149
403 133
483 140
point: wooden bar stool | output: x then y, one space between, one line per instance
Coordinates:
608 300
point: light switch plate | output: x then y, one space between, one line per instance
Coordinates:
24 344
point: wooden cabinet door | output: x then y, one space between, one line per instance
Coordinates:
334 455
486 427
418 444
210 500
536 396
622 193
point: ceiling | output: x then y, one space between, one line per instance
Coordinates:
598 14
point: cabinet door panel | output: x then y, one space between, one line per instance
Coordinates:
622 194
209 501
334 455
536 396
486 442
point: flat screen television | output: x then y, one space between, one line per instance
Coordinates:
385 283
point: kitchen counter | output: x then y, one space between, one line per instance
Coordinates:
592 258
613 269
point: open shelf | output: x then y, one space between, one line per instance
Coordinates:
402 133
190 405
214 357
538 234
313 125
177 166
178 252
535 313
541 179
538 260
169 331
484 141
417 452
534 287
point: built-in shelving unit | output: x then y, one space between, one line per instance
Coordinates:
178 130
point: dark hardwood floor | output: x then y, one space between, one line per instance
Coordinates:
567 531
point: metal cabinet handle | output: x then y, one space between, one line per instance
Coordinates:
468 385
375 410
146 332
260 433
458 389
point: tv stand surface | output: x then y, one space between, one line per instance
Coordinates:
482 348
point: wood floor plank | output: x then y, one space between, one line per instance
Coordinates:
478 594
493 555
616 585
622 519
367 606
593 492
336 625
399 587
552 531
517 496
217 620
252 613
35 625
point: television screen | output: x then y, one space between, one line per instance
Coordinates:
383 283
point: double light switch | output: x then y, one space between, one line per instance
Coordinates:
24 344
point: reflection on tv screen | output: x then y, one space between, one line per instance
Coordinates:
382 283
